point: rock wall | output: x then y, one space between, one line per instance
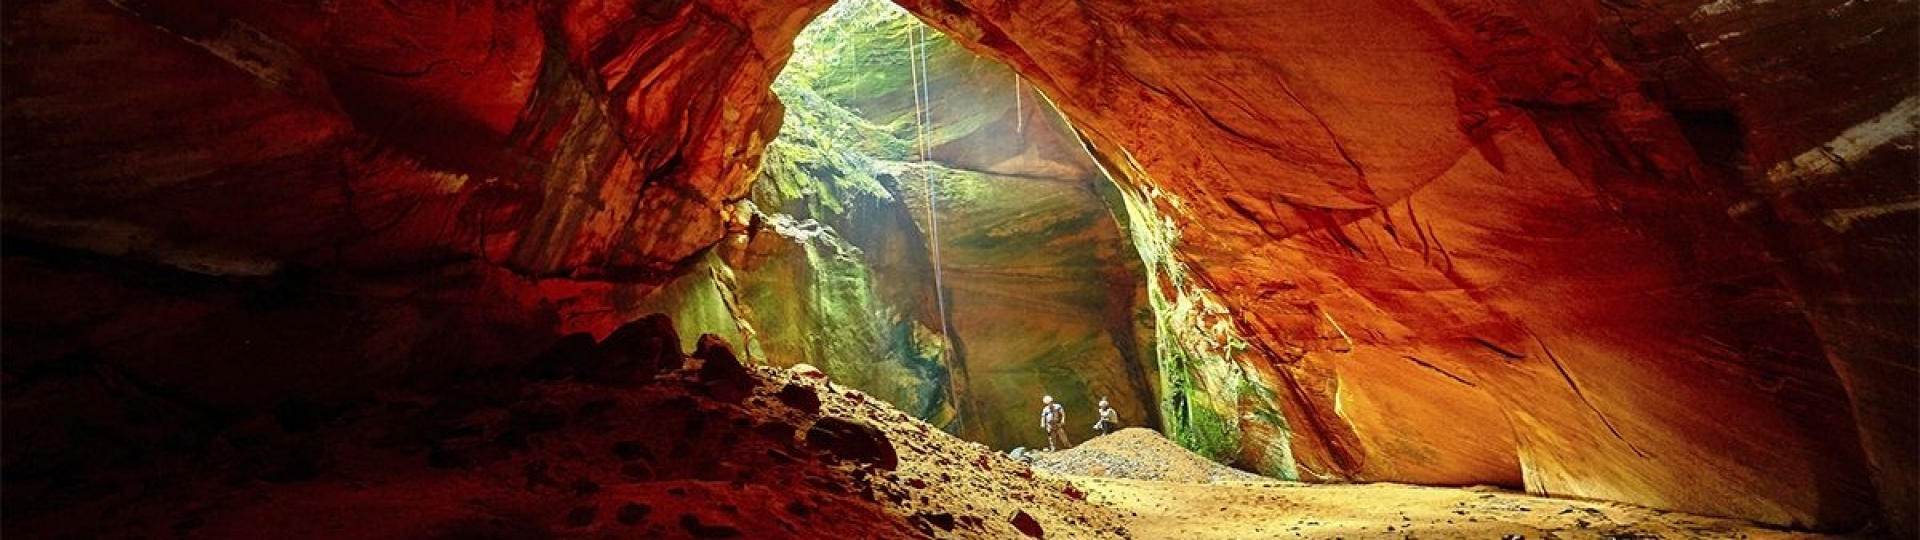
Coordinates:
1659 252
1815 107
282 200
1466 230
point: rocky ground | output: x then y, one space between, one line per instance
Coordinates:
630 438
622 439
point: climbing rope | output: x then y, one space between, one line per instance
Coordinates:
1019 110
922 116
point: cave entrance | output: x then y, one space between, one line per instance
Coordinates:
930 231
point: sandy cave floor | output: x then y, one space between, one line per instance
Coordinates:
1160 490
1238 510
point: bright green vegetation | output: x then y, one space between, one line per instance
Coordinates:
856 54
836 274
1206 392
1043 270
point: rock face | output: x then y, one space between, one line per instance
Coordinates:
241 203
1660 252
1466 231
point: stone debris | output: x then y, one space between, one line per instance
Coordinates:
1139 454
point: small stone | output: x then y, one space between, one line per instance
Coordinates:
721 373
800 397
807 371
942 520
638 350
853 441
1027 525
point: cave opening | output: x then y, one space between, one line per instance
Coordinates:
933 232
428 269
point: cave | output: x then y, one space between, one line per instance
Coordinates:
470 269
963 254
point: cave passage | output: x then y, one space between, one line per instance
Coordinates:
937 236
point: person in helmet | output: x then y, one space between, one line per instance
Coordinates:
1109 419
1053 420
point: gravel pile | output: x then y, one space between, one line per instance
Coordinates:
1141 454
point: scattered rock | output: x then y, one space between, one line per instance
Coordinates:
1021 454
1140 454
641 349
944 521
800 397
853 441
807 371
1027 525
721 373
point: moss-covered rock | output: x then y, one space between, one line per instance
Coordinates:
1042 293
1209 400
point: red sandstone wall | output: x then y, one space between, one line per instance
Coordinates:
1527 251
1546 279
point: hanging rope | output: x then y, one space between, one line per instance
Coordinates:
922 117
1019 111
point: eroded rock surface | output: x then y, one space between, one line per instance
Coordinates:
1463 243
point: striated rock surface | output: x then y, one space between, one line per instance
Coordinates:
1464 232
1816 107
